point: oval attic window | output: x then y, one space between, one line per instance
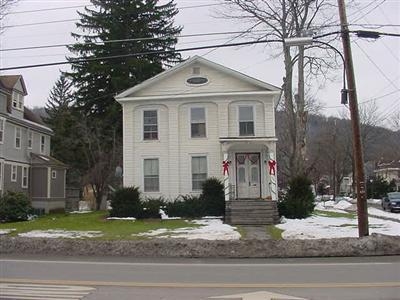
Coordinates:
196 80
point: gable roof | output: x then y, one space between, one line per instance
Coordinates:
193 60
8 82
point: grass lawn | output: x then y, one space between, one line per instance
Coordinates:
275 232
94 221
333 214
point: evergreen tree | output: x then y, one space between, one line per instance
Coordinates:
61 119
118 29
140 27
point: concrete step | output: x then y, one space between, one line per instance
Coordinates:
251 212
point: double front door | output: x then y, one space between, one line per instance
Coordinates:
248 175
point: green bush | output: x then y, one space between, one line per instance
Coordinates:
125 202
151 208
186 206
14 207
298 202
213 197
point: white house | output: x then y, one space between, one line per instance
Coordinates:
198 120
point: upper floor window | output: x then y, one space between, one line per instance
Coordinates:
246 120
199 172
198 122
18 137
14 173
24 177
42 144
151 175
2 126
54 174
150 125
30 139
17 100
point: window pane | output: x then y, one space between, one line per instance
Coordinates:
151 175
242 174
246 128
198 115
254 174
150 125
198 130
245 113
199 171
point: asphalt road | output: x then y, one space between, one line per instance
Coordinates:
129 278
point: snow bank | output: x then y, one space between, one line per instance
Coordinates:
6 231
125 219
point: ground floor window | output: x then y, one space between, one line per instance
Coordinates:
24 177
14 173
151 175
199 172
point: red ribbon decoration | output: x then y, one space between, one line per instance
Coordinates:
225 165
271 164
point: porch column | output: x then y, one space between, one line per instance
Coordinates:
273 181
226 180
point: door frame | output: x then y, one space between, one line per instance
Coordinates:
236 172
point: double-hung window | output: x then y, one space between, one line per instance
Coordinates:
199 172
1 176
17 100
42 144
13 173
150 125
24 177
246 121
2 129
198 122
18 137
30 139
151 175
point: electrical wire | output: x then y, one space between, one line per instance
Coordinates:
81 60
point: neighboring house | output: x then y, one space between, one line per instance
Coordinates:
389 171
25 162
199 120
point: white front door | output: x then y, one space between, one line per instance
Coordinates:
248 175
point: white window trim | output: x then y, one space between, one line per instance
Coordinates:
190 122
15 137
53 174
191 171
1 176
30 138
238 120
3 121
12 173
158 125
27 177
159 175
44 145
19 100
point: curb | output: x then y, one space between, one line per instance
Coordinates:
374 245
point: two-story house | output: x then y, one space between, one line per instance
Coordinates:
389 171
198 120
25 162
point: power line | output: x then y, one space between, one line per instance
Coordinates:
81 60
130 40
371 10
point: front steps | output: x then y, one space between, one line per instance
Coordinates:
251 212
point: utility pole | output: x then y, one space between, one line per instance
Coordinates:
362 210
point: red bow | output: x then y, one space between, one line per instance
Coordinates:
225 165
271 164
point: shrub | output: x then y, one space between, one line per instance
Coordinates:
125 202
299 199
188 206
213 197
15 207
151 207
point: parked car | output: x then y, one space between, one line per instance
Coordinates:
391 202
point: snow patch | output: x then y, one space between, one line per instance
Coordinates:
61 234
211 229
6 231
372 211
125 219
164 216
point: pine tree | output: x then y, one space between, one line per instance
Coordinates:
63 122
148 25
113 29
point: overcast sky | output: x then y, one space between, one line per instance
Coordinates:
377 63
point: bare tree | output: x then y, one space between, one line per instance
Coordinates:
395 121
4 9
284 19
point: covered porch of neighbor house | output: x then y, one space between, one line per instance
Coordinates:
250 180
